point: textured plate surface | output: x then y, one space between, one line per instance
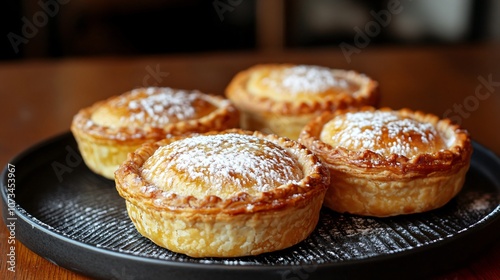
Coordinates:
76 219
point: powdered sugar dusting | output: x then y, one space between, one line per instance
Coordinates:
382 132
160 106
481 202
226 164
304 79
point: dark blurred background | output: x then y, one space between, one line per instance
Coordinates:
68 28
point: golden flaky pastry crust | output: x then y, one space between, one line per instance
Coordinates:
248 201
283 98
108 130
385 163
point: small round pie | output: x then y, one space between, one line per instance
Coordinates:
108 130
385 162
223 194
283 98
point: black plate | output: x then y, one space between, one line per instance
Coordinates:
74 218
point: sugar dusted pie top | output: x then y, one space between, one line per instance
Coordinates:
304 79
300 80
153 107
221 165
298 90
383 132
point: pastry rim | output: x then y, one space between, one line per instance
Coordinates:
225 110
453 158
236 91
132 186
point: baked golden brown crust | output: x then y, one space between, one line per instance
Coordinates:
223 194
283 98
108 130
384 162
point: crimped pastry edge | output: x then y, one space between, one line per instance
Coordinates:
456 156
361 194
226 115
130 183
104 148
199 234
236 91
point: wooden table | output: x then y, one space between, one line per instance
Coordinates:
40 97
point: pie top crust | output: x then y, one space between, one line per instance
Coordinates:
403 142
232 172
295 89
153 113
